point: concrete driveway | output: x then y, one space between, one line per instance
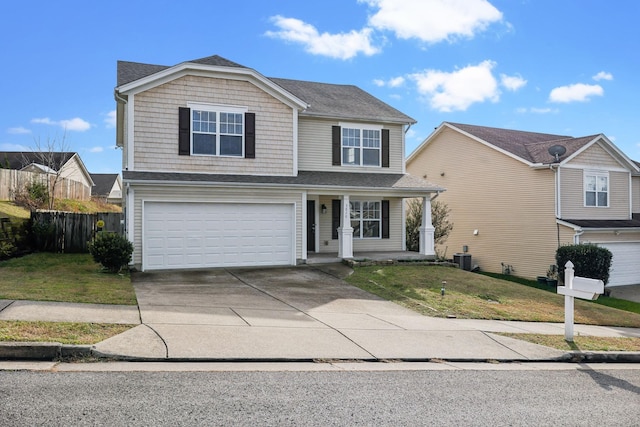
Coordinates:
298 313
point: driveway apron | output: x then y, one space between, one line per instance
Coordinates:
298 313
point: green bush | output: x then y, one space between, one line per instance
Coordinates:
588 261
13 237
111 250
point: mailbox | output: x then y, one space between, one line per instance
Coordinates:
583 288
578 287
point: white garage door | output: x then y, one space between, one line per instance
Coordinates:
625 265
201 235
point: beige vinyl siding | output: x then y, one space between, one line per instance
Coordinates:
510 204
73 170
572 194
393 243
156 128
597 157
213 195
315 150
635 194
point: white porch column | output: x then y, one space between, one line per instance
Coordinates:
427 230
345 231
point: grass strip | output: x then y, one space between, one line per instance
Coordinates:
580 343
65 278
62 332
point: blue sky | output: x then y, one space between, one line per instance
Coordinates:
563 67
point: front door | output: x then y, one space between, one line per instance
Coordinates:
311 225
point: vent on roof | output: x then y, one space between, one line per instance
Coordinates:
556 151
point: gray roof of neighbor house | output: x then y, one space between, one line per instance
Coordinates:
103 183
307 179
20 159
634 222
530 146
324 99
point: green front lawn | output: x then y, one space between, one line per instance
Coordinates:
63 277
475 296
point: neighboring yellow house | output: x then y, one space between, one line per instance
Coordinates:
516 196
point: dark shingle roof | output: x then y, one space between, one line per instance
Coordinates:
20 159
324 99
103 183
530 146
606 223
131 71
348 101
304 179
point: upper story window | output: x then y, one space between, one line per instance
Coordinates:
217 131
596 189
365 219
361 146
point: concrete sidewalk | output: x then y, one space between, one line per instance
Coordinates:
292 314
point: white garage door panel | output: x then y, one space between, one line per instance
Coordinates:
199 235
625 265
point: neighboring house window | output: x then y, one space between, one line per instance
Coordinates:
217 133
361 146
365 219
596 189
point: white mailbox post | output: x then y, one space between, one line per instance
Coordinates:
580 287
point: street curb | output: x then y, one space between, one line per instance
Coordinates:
51 351
45 351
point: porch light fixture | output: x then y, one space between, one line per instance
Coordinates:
324 208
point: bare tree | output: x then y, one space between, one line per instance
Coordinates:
49 156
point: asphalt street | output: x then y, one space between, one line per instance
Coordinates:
566 397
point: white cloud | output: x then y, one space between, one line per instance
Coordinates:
44 121
5 146
340 46
18 130
392 82
75 124
458 90
512 83
110 120
543 110
536 110
578 92
96 150
433 21
603 75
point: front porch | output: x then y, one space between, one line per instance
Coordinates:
328 258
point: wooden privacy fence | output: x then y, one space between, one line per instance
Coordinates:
14 181
69 232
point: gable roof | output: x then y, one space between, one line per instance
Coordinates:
103 183
21 159
529 147
345 101
322 99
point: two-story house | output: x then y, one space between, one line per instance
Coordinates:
516 196
223 166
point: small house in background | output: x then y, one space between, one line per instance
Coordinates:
516 196
72 179
107 188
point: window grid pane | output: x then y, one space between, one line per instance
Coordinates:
596 190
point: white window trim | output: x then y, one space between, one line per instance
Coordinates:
597 174
217 108
361 127
361 219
